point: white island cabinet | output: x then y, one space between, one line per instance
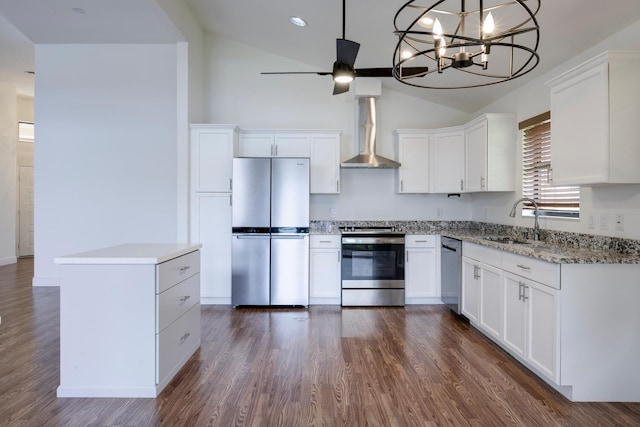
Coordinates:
129 318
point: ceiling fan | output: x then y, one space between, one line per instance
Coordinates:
343 68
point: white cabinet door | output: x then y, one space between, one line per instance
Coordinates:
448 161
211 226
514 319
490 314
470 289
542 349
580 128
291 145
325 269
325 163
256 144
413 155
530 329
475 170
212 149
421 278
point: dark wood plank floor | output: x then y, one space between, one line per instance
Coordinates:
326 366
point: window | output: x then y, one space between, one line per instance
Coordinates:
536 163
25 132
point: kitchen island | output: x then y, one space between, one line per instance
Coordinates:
129 318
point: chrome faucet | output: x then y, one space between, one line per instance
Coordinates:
536 224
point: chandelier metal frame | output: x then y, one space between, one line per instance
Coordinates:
464 52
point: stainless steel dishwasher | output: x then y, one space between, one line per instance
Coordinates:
451 275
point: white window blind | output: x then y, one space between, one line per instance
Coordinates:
536 163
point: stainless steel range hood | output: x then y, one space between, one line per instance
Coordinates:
368 157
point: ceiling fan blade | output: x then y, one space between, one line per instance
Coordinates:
388 72
339 88
319 73
346 51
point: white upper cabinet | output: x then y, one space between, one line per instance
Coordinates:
324 160
490 153
413 155
273 144
595 131
447 163
212 150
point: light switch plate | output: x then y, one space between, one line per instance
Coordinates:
604 222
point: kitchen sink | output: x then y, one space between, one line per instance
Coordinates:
507 240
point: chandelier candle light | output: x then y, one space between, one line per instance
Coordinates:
477 42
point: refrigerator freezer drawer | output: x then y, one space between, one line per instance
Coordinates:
290 270
250 270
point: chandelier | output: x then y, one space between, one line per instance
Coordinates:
476 42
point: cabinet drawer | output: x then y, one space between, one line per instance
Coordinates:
175 301
176 270
175 342
325 241
531 268
484 254
420 241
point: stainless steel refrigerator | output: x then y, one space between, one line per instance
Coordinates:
270 247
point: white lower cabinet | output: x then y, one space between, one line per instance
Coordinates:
422 269
211 226
470 298
530 328
324 269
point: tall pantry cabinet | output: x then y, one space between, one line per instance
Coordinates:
212 152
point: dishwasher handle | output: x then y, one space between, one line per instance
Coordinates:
449 248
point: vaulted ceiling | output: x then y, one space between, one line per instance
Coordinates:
567 28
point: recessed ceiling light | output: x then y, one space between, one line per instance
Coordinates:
79 10
296 20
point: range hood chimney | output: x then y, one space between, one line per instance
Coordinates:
368 157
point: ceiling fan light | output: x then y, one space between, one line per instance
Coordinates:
343 78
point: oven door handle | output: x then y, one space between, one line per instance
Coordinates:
373 240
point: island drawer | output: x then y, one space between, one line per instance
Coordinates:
175 343
535 269
175 301
176 270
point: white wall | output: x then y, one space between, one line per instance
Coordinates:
105 157
532 99
236 93
8 153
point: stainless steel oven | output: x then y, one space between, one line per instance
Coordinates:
372 267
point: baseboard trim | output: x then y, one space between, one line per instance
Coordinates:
8 260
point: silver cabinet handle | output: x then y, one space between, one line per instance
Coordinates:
325 241
524 292
184 298
276 149
185 336
337 186
421 241
524 267
462 185
520 285
482 182
185 268
230 184
407 260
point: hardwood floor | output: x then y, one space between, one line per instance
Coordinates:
326 366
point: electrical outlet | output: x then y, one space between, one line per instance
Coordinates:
332 212
619 222
592 221
439 213
604 222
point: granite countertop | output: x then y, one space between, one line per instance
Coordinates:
550 252
555 247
